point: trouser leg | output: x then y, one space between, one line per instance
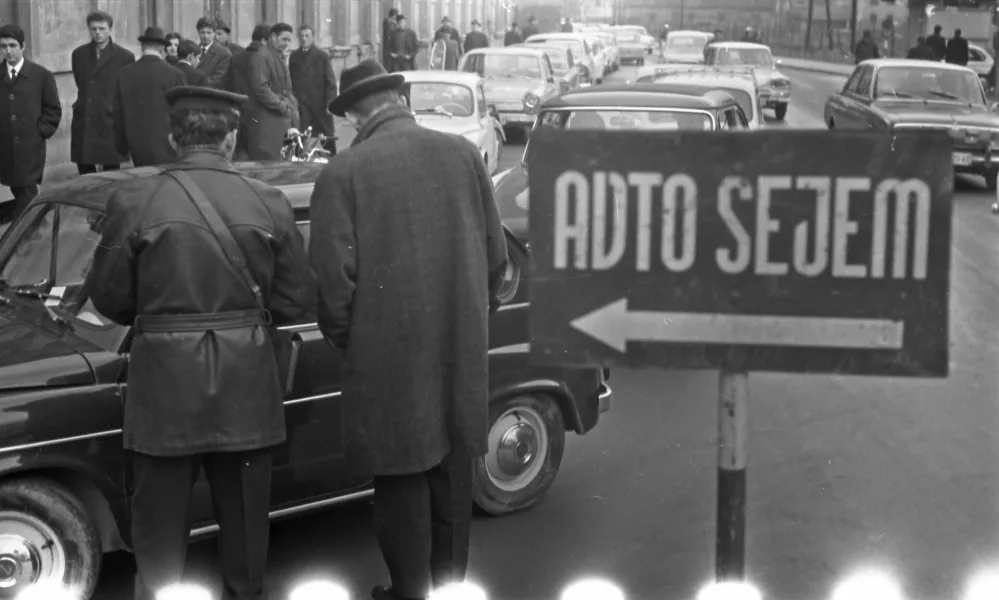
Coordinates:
451 517
160 527
241 492
403 530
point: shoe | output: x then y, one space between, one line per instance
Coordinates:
384 592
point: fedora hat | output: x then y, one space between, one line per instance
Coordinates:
153 35
364 79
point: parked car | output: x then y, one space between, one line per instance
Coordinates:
581 51
698 80
567 70
648 40
775 87
518 79
631 47
64 483
686 47
456 102
980 61
891 95
615 107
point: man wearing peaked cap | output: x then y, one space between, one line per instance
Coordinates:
421 430
141 114
202 262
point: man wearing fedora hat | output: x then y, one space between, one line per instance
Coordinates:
141 113
418 205
201 261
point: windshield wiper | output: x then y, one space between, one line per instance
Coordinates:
437 110
944 95
32 291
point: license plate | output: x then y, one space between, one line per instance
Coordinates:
962 159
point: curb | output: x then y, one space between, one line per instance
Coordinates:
830 70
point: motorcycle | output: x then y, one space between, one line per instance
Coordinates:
303 146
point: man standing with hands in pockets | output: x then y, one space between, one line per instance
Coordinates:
412 319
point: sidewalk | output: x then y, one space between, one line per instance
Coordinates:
815 66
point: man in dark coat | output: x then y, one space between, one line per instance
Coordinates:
203 383
273 107
29 114
222 33
313 83
921 51
513 36
447 30
475 38
95 70
214 59
937 42
957 50
434 258
238 80
142 116
389 26
866 48
566 26
531 28
404 46
187 53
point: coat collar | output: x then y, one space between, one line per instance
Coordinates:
387 117
202 158
105 54
24 71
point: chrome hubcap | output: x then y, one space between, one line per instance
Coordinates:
30 552
518 447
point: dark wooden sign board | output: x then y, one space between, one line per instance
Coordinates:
803 251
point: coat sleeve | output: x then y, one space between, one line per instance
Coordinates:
120 140
217 78
77 68
496 254
260 84
48 123
111 280
333 252
293 289
331 87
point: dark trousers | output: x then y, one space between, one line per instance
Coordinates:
423 525
85 169
400 63
241 491
10 210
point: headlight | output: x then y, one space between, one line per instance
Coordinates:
511 280
531 102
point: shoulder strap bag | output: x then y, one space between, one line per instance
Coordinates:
287 345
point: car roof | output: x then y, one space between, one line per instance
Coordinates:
746 84
459 77
295 179
519 49
909 62
639 94
741 45
556 36
690 32
540 46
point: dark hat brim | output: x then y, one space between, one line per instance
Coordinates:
146 39
364 87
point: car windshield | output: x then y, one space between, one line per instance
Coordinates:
757 57
441 98
742 97
49 253
928 83
686 43
627 36
512 66
622 120
575 45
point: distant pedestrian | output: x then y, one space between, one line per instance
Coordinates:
313 83
142 116
404 46
957 50
222 33
95 70
30 112
187 54
444 52
239 80
418 416
447 29
921 51
513 36
567 25
204 384
866 48
389 26
476 38
531 28
214 59
173 45
276 109
937 42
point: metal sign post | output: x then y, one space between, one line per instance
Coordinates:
802 252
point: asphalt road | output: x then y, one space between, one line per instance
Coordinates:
844 472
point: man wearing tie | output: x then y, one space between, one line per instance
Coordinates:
215 59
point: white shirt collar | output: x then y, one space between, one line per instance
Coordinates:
16 67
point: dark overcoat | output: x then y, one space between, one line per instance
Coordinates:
30 112
272 106
215 64
192 76
234 49
476 39
238 81
142 114
512 38
389 26
957 51
92 140
404 44
212 390
314 85
409 261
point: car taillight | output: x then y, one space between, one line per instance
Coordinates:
780 83
531 102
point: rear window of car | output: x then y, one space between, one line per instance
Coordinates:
626 120
575 45
742 98
687 43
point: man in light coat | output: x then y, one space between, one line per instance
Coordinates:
274 109
412 320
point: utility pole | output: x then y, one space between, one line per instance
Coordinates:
853 24
829 23
683 8
808 26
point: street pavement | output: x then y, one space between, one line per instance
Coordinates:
844 472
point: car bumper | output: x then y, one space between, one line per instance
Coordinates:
772 98
605 398
632 55
512 119
975 161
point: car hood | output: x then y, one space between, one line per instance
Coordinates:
944 113
511 193
765 75
37 352
509 90
456 125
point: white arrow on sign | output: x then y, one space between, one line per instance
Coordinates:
615 326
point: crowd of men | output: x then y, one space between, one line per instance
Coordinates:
934 47
400 44
120 114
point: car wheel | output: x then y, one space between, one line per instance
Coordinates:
46 537
526 443
780 111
